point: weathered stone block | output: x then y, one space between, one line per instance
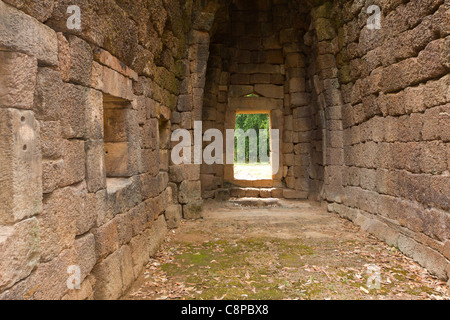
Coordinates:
86 291
93 209
106 239
124 228
270 91
19 251
63 57
94 115
20 32
184 172
81 58
17 80
105 58
95 166
293 194
240 90
139 219
252 193
51 174
111 82
189 191
48 97
74 166
222 194
122 194
108 274
126 267
58 222
173 215
428 258
299 99
21 169
122 159
84 254
193 211
52 144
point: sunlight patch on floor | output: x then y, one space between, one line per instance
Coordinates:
253 172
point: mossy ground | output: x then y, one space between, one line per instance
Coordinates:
235 255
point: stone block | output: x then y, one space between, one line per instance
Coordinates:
185 103
106 239
299 99
19 251
81 115
47 282
81 58
174 214
63 57
237 91
428 258
184 173
74 166
149 186
20 32
270 91
122 194
17 80
108 274
150 135
193 210
106 59
21 168
293 194
59 219
126 268
139 219
111 82
274 57
51 174
52 144
40 10
158 232
252 193
91 212
189 191
84 254
94 115
122 159
95 166
261 78
297 85
222 194
147 243
49 95
124 228
163 181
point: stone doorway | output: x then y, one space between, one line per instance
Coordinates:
252 150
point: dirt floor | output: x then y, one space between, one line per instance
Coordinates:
294 251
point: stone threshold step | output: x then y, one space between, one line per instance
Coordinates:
255 202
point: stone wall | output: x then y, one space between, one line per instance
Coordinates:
383 95
85 141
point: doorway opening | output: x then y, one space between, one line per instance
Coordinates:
252 146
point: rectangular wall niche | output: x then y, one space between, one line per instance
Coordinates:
120 124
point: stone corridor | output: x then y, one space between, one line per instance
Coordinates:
282 249
94 92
